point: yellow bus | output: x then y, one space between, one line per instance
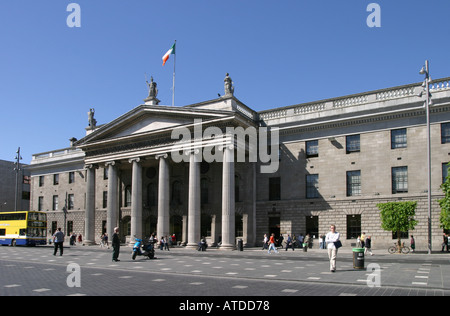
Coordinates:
23 228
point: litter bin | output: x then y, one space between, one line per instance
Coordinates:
358 258
240 245
305 247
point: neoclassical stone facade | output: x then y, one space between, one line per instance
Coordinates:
338 158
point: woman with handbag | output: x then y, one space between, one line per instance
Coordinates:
333 244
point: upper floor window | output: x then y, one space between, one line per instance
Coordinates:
398 138
445 133
353 144
312 149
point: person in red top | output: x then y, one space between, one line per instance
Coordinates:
272 243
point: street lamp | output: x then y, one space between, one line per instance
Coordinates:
17 169
426 85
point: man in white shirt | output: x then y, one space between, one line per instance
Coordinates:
330 239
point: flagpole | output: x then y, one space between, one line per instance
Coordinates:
173 85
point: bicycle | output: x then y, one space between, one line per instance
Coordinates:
394 249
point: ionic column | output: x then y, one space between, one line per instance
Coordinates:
89 221
136 199
194 200
228 199
112 209
163 196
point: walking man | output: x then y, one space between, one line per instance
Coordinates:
330 240
116 245
58 240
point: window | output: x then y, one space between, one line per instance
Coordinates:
445 167
40 203
353 144
312 149
398 138
55 179
105 199
71 201
399 180
41 181
275 189
312 186
55 203
71 177
445 133
127 196
69 226
353 183
353 226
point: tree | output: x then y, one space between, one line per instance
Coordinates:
444 203
398 217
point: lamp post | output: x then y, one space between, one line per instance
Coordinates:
426 84
17 169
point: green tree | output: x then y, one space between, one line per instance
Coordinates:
398 217
444 203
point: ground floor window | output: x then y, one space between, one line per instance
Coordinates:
353 226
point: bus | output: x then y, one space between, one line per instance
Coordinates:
23 228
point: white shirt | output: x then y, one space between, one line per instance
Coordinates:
331 238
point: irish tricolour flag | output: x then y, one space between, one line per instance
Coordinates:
171 51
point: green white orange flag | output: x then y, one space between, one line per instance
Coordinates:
171 51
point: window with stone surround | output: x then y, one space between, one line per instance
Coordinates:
354 183
399 180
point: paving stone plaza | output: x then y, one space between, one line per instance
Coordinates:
253 272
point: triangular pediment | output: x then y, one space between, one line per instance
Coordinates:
146 119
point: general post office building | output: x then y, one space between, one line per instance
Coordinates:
338 158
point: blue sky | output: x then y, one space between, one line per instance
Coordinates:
278 53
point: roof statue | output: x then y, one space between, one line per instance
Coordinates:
91 120
229 89
152 93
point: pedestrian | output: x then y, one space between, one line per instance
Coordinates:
166 244
105 240
272 244
445 242
80 239
300 240
58 240
116 245
368 245
332 240
73 238
265 241
363 239
289 243
306 241
413 243
358 242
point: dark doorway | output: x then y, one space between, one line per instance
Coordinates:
274 226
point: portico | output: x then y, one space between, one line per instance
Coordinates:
149 190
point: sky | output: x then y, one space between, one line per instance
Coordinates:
278 53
